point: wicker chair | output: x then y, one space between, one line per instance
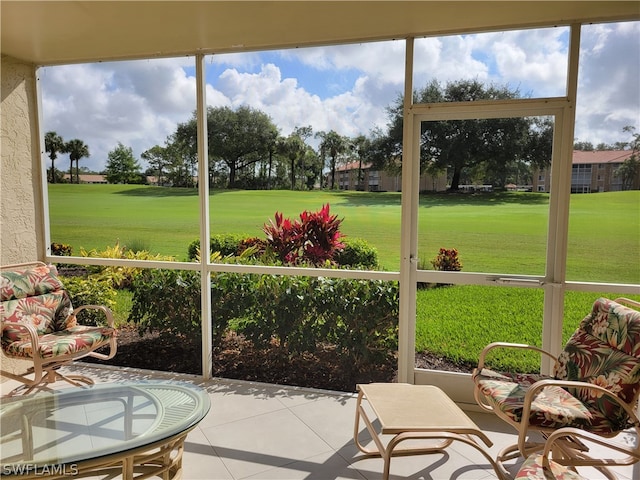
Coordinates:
594 388
40 325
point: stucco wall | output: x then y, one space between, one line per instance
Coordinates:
20 218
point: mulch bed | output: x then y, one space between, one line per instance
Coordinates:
238 358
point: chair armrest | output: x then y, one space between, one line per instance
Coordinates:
107 312
29 330
539 385
522 346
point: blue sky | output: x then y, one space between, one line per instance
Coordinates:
345 88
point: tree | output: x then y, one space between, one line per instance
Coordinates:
157 158
360 146
630 168
76 149
238 138
292 148
333 146
122 167
583 146
53 144
464 147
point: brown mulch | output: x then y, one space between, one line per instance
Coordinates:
238 358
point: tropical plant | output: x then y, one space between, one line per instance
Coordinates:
53 144
314 239
121 276
447 260
76 149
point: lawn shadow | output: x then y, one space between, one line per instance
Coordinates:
452 199
449 199
147 191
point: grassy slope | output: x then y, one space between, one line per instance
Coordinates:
503 233
498 233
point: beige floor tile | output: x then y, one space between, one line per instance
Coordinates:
200 461
259 431
248 447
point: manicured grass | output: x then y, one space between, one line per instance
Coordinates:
502 233
457 322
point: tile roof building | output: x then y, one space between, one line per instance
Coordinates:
592 171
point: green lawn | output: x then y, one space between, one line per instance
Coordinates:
503 233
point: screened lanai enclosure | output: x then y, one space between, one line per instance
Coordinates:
132 74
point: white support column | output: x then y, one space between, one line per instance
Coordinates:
42 193
203 192
559 202
408 235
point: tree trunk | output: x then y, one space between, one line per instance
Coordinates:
333 172
232 174
455 180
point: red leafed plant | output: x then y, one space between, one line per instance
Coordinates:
447 260
314 239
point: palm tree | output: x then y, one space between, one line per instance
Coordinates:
76 150
53 144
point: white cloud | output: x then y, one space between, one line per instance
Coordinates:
608 88
344 88
135 103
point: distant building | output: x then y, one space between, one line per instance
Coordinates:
88 178
592 171
372 180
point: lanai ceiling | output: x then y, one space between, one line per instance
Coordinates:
53 32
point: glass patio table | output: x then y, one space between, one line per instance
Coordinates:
123 429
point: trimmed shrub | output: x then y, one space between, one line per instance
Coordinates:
90 290
167 301
227 244
282 309
62 249
361 317
357 253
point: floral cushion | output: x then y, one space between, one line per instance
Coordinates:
47 312
533 469
614 324
76 340
603 351
28 282
552 408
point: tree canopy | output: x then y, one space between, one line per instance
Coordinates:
122 167
76 149
53 144
490 150
238 138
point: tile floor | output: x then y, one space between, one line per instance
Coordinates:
261 431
